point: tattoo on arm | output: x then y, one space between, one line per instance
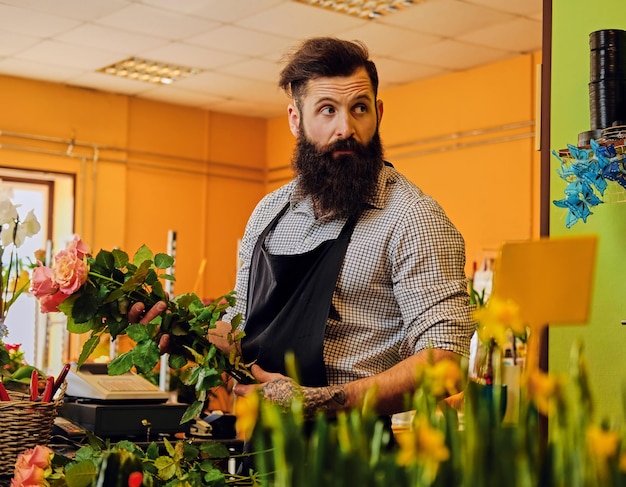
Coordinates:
283 391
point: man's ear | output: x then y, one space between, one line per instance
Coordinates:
379 109
293 116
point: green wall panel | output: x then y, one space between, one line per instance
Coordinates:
603 336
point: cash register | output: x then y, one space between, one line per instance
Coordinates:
119 406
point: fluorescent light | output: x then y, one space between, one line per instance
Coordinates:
149 71
368 9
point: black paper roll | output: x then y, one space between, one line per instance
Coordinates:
607 38
607 102
607 87
608 63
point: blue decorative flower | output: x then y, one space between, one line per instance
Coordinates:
586 172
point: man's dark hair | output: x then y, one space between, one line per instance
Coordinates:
321 57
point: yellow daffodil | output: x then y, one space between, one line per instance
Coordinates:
496 317
543 389
423 445
247 412
445 378
602 443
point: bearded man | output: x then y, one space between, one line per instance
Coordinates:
350 266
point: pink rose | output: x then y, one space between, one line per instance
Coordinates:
70 271
31 466
50 302
42 283
78 247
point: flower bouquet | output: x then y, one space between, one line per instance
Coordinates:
96 294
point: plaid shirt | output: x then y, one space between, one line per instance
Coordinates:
402 286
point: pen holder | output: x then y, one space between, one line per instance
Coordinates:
25 424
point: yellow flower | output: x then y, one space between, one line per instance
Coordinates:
423 445
247 412
21 282
445 376
496 317
602 443
543 389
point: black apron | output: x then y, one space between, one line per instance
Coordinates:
289 299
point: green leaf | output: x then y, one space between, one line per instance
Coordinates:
146 355
213 475
105 260
214 449
81 474
166 466
88 348
66 306
143 254
122 363
163 261
137 332
194 410
79 328
152 451
169 447
177 361
121 258
85 307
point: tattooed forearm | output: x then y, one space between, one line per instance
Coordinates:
283 392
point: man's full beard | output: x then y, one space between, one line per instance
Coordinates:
340 186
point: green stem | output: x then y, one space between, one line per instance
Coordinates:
148 299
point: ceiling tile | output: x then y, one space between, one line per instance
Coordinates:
220 10
61 54
254 69
157 22
519 35
527 7
11 42
36 70
435 18
101 37
387 39
235 39
86 10
192 56
297 21
30 22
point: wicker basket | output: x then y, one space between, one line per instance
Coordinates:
23 425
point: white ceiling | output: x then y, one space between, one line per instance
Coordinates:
239 43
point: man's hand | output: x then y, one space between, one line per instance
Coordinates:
138 314
221 337
282 390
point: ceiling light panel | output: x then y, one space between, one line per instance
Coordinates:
149 71
366 9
